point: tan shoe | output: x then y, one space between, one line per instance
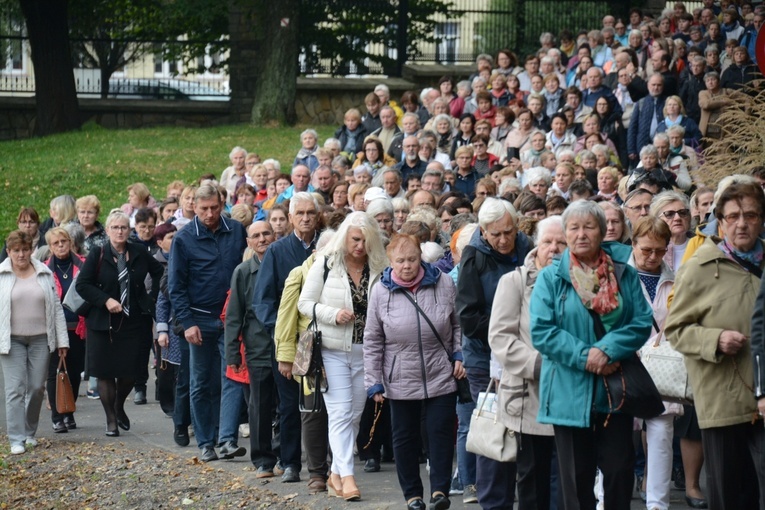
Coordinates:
334 485
350 490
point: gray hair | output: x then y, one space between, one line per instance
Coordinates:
120 216
376 207
463 85
665 198
566 153
676 128
299 166
382 88
302 196
535 174
409 115
399 204
274 163
441 117
600 149
661 137
711 48
206 192
432 173
309 131
379 178
547 60
507 185
76 234
325 238
711 74
477 79
586 154
236 150
494 209
546 38
543 225
335 250
426 215
582 208
649 149
486 57
636 32
332 142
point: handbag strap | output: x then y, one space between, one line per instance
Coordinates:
427 319
485 396
61 362
600 329
314 324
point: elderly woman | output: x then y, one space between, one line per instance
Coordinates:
65 264
138 198
616 223
120 321
336 294
537 180
608 182
401 210
649 167
412 355
32 327
674 209
381 211
494 250
339 195
518 392
710 323
650 241
235 173
88 209
588 314
519 138
309 140
713 101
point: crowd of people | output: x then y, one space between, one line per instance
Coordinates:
535 226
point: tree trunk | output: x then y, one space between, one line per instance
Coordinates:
56 95
264 59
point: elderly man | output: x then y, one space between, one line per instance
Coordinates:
412 164
495 249
433 179
410 126
391 183
471 104
660 60
383 92
203 257
323 183
242 325
281 257
646 116
389 129
422 197
692 85
637 205
301 181
596 90
428 96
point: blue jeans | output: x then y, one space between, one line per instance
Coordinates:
232 401
289 420
182 406
205 382
465 459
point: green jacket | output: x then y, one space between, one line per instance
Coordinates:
563 331
712 294
289 321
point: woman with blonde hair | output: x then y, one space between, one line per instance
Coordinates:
88 209
138 198
336 294
62 211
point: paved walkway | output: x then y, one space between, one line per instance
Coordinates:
149 426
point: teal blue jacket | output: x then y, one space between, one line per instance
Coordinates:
563 332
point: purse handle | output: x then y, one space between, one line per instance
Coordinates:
485 396
61 361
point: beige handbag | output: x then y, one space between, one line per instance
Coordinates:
666 367
488 436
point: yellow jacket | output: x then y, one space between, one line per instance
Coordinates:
290 322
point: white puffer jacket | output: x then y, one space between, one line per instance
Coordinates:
54 313
330 297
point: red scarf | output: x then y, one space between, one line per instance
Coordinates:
597 287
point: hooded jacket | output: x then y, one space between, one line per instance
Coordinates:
481 268
563 331
402 355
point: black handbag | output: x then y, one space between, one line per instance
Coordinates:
630 388
463 386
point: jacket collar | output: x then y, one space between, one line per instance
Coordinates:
201 229
40 267
432 274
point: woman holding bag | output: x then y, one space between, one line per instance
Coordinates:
338 301
32 326
510 341
112 282
411 337
65 265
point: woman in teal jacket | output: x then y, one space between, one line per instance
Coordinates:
589 276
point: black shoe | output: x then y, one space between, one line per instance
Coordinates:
678 477
70 423
290 475
59 427
208 454
139 398
181 436
439 501
416 504
696 502
230 450
372 466
113 433
123 421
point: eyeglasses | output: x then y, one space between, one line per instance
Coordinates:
636 208
119 227
749 217
683 213
647 252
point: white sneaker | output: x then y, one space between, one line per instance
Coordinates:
31 441
244 430
18 449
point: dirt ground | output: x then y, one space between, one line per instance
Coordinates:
74 474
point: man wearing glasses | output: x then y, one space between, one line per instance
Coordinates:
637 205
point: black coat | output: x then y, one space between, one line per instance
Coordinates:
97 284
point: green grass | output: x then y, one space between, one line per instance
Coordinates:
104 162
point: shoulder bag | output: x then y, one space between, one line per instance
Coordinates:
463 386
64 394
666 367
489 437
630 388
73 301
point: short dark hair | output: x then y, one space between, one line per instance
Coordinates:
580 188
738 192
145 214
162 230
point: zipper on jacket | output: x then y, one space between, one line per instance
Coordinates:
758 386
392 366
422 356
552 380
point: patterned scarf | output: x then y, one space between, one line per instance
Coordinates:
123 276
753 256
597 287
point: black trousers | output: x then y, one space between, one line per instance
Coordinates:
181 399
581 450
166 374
260 405
381 437
142 377
733 457
75 364
534 464
316 438
440 417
